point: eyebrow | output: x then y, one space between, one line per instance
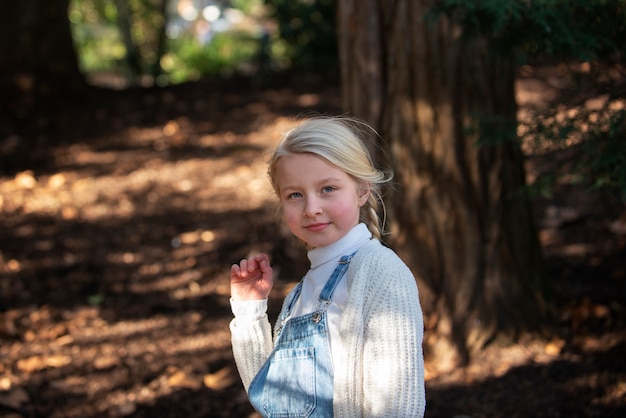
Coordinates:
318 183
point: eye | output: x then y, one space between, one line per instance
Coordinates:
328 189
294 195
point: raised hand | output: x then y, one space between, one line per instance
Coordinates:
251 279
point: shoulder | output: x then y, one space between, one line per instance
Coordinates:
375 254
374 259
378 280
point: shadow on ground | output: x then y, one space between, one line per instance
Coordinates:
117 232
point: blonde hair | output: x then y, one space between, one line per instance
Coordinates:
347 144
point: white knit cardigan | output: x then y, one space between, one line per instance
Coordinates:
380 371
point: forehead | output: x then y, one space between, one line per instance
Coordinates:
296 168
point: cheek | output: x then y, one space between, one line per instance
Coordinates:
290 215
348 210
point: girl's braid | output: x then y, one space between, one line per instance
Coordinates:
372 220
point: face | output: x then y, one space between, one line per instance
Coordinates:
320 203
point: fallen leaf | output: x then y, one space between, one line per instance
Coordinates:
35 363
5 383
181 379
221 379
57 361
25 180
57 181
554 347
171 128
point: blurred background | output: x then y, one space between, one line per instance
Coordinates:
133 142
121 44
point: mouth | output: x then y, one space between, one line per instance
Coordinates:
316 227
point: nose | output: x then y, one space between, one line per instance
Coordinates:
312 207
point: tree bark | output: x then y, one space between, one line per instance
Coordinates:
445 106
132 56
38 57
39 75
156 69
361 58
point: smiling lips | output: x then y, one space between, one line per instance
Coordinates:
316 227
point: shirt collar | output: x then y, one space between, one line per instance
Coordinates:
349 243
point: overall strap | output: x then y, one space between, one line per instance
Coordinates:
293 297
325 295
331 285
335 278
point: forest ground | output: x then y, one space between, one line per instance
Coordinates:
118 230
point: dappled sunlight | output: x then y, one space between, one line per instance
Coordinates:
96 345
142 173
146 190
114 270
568 381
117 273
547 94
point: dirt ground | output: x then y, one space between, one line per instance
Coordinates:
116 238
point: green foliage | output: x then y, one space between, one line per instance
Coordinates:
100 46
249 7
147 20
308 35
223 56
564 29
96 36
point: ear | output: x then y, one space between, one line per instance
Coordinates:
364 193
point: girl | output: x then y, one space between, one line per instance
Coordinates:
348 341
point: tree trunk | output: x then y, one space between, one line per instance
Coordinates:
39 75
132 58
38 57
445 106
156 69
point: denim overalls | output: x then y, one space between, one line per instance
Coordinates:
297 378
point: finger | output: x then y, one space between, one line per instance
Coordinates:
264 265
253 264
243 267
262 257
234 270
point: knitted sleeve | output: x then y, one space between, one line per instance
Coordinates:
252 345
384 373
393 372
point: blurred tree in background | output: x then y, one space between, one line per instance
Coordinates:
445 107
437 78
145 42
38 56
165 41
